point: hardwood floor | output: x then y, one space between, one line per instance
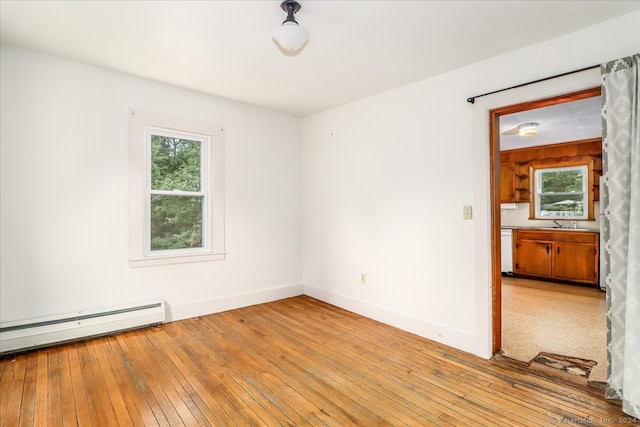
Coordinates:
293 362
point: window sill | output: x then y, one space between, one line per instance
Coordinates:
176 259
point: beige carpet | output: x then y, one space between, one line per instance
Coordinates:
554 318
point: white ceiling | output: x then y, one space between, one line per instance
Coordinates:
356 49
570 121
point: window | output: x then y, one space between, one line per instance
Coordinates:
176 190
562 192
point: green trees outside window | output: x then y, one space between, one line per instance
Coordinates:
177 199
562 192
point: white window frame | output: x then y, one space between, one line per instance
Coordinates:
204 192
585 191
141 126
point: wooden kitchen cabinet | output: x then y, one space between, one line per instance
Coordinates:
533 258
522 182
514 182
507 182
576 261
556 255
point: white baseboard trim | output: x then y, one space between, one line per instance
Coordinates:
201 308
452 337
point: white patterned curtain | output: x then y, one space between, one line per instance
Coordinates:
621 227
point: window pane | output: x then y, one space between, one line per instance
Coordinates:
566 181
176 222
561 205
175 164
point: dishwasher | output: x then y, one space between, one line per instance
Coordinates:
506 250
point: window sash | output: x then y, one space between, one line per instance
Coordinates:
199 227
205 143
566 195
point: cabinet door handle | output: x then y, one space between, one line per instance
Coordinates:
547 248
558 250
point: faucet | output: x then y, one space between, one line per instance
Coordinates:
557 223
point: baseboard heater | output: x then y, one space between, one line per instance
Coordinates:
33 333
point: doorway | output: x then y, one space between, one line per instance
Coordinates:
497 133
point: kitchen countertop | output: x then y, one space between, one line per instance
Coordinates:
519 227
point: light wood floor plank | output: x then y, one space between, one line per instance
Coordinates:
296 366
80 400
186 410
132 408
53 408
42 377
68 410
442 395
4 363
396 388
100 406
160 404
333 402
301 396
28 402
234 386
215 389
12 389
447 394
218 348
294 362
113 389
6 383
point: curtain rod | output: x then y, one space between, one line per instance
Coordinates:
473 98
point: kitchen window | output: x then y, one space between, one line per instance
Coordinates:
562 192
176 190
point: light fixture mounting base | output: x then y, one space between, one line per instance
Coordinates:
291 7
290 3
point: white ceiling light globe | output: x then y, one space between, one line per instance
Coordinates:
291 36
528 129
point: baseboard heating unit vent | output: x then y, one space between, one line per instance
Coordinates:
32 333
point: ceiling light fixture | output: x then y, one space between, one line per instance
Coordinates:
528 129
291 36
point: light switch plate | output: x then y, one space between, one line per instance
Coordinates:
467 212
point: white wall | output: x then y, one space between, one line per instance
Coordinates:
519 217
384 181
65 195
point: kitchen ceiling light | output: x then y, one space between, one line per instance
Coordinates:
291 36
528 129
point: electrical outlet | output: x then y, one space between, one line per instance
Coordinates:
363 278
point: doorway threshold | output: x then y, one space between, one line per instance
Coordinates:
559 369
